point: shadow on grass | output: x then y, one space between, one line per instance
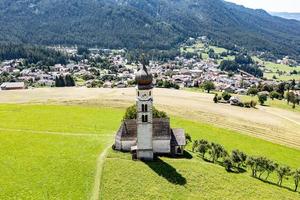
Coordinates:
274 184
166 171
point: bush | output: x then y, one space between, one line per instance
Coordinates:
247 104
228 164
274 95
252 91
216 99
226 96
253 103
131 113
262 98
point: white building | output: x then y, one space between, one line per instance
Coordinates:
147 136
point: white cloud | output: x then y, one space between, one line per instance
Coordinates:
271 5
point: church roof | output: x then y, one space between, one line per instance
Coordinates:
178 137
161 129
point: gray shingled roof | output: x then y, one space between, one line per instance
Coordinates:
178 137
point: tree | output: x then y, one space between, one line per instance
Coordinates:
228 164
195 145
238 157
296 177
203 147
69 81
270 168
274 95
252 163
226 96
262 98
60 81
252 91
282 172
208 86
188 138
216 99
216 151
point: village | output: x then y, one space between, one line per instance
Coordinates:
95 68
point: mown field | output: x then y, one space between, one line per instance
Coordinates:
193 178
50 152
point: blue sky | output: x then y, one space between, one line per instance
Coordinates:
271 5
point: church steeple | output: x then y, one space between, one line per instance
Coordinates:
144 103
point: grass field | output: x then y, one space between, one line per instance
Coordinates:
194 178
50 152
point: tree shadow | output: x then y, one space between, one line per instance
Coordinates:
166 171
274 184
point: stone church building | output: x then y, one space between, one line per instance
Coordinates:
146 136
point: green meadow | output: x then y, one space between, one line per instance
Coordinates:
50 152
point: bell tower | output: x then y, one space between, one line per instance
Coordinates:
144 104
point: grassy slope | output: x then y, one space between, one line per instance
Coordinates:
195 178
37 166
51 166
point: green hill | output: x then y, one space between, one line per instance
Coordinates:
145 24
51 151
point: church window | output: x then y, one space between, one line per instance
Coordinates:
146 108
143 108
144 118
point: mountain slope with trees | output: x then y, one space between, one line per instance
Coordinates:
145 24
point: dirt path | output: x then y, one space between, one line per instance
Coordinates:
54 133
97 182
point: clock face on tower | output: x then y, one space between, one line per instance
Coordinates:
144 96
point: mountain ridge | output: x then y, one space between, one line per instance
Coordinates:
145 24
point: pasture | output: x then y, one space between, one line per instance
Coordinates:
51 139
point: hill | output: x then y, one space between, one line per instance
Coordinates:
51 152
145 24
287 15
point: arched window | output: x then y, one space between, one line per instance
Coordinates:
143 108
143 118
146 108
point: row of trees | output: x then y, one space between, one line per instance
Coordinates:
239 161
241 62
167 84
64 81
32 54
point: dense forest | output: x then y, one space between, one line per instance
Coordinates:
32 54
146 24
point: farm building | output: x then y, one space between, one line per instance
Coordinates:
146 136
12 86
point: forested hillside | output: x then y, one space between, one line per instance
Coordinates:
145 24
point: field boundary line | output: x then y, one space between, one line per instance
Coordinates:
98 176
55 133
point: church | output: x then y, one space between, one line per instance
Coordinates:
146 137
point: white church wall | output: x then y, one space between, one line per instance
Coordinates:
161 146
126 145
